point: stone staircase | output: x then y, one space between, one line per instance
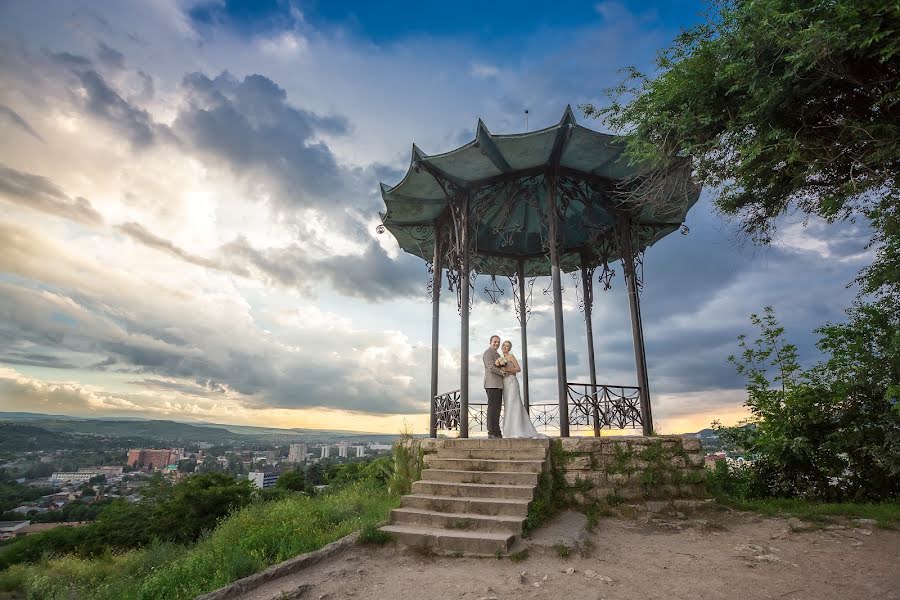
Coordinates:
473 496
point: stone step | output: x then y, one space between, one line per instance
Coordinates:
463 476
459 504
530 452
493 443
473 490
482 543
457 521
468 464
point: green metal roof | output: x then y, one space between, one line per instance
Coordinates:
506 179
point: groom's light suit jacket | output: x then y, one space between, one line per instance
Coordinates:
493 377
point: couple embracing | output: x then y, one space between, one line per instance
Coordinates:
502 387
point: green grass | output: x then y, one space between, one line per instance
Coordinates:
519 556
245 543
562 550
887 514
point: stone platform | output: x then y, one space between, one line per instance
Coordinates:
473 497
474 494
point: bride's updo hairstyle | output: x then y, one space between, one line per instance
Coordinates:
504 344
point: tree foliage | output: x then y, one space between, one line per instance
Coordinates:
780 103
831 432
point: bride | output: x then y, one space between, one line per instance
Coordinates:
516 422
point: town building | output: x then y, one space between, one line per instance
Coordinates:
263 480
115 471
73 477
342 449
152 458
360 451
9 529
326 451
297 453
380 447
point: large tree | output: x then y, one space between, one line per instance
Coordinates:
781 103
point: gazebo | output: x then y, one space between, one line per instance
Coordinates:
564 199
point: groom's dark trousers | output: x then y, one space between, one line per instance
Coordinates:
493 386
495 399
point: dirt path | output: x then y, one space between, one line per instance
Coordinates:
707 555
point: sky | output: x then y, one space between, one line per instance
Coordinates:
189 201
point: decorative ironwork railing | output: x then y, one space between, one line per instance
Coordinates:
612 407
446 410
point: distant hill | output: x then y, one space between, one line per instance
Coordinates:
178 432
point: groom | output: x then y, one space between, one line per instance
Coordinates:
493 386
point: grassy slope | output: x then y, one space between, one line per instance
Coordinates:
887 514
246 542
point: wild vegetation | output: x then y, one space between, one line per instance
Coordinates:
229 532
794 105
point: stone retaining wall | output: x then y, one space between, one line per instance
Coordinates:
616 468
631 468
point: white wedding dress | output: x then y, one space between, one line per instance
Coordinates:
516 422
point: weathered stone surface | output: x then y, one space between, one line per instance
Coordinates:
618 478
601 493
431 444
696 459
677 461
690 444
582 444
629 492
578 463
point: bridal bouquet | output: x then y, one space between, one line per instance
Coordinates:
501 362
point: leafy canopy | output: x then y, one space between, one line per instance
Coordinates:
828 433
780 103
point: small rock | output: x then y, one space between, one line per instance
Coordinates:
489 590
869 522
768 558
863 531
324 596
752 548
604 578
536 584
570 571
856 544
545 578
590 573
522 576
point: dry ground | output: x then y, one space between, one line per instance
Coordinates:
708 554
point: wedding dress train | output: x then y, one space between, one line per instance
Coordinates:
516 422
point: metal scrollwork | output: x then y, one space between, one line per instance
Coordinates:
517 301
611 407
586 298
494 291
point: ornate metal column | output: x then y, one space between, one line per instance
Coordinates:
464 268
562 379
587 281
523 322
637 328
435 317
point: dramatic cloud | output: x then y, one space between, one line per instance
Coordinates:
227 265
39 193
250 125
13 117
